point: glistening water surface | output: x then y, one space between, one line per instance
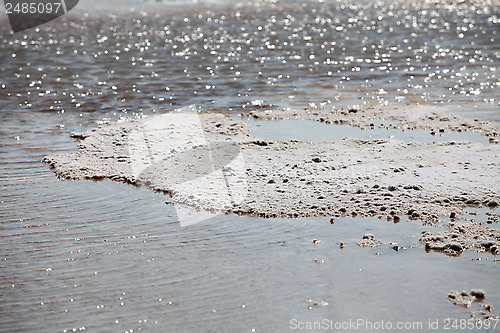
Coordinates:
105 256
263 54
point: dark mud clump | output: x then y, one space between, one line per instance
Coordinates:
466 298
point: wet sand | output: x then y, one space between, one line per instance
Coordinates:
463 236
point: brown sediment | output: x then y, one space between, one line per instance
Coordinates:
463 236
383 178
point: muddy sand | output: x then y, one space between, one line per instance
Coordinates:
467 299
212 162
463 236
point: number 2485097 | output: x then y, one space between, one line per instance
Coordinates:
33 8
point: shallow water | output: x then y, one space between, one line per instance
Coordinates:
234 57
313 131
117 261
106 256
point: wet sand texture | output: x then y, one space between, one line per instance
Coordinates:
463 236
264 178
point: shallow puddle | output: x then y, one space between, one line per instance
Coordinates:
313 131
